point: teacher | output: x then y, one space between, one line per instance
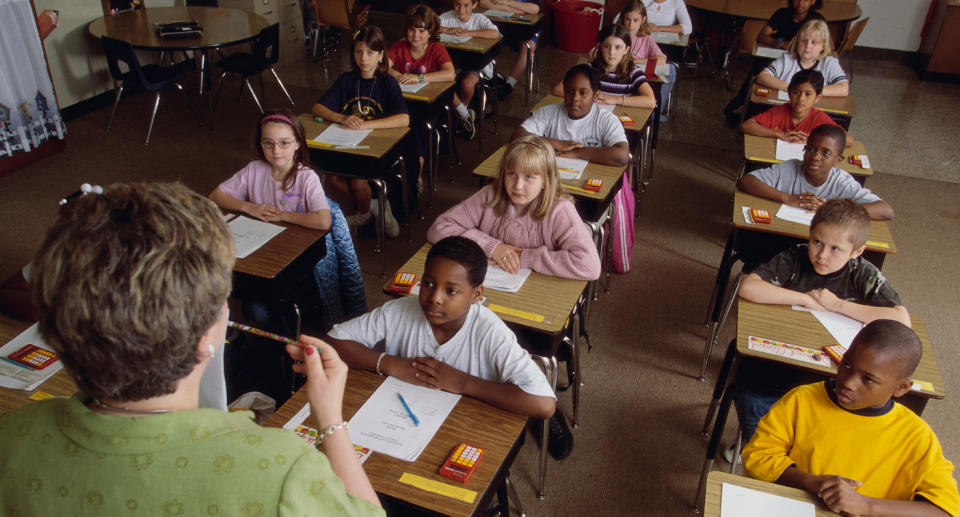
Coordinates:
131 288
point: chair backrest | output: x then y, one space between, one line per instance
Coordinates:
266 46
852 36
119 52
748 37
346 14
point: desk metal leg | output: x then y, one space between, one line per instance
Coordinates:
716 326
451 143
381 187
577 372
727 250
530 57
720 388
712 449
550 368
432 158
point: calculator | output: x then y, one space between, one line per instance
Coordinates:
32 357
760 215
462 462
593 184
403 282
626 120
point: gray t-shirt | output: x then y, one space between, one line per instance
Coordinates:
785 66
787 177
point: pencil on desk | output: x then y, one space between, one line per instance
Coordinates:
578 189
264 333
417 97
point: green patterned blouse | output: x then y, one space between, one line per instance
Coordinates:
59 458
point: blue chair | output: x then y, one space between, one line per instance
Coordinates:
265 52
152 78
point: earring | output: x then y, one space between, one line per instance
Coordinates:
212 350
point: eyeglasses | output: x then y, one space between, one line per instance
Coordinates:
822 154
282 144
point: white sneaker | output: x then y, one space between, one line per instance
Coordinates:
357 220
728 453
390 225
468 125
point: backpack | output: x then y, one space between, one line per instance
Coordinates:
621 229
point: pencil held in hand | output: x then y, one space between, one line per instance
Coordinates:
264 333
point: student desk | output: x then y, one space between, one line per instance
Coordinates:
278 253
426 105
760 151
475 54
471 421
841 109
716 479
59 385
879 244
521 29
544 305
801 328
374 163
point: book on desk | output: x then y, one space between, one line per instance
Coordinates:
178 29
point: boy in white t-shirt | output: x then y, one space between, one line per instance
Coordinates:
579 128
462 21
445 339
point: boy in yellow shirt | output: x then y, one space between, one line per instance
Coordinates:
847 442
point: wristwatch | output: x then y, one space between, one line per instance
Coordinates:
421 78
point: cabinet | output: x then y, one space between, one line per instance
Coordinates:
287 13
940 45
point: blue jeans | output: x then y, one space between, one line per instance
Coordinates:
752 402
666 90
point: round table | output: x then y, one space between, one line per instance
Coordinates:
221 28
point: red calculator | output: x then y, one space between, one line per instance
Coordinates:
462 462
403 282
32 357
626 120
760 215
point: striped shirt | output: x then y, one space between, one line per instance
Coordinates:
610 85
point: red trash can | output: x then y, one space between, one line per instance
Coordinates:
576 25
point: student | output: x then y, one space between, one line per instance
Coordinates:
786 21
462 21
810 49
524 49
848 443
445 339
420 58
279 185
809 183
523 219
826 274
633 17
792 122
364 98
669 16
578 128
622 82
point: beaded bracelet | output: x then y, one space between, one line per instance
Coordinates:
328 430
379 360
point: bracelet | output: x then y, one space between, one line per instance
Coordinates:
421 78
327 431
379 360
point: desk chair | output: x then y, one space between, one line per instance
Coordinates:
850 40
264 54
747 44
344 14
152 78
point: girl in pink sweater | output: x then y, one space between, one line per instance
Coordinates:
523 219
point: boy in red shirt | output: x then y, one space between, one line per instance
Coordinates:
792 122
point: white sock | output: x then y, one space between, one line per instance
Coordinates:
363 217
512 81
462 111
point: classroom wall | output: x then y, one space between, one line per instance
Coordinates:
894 24
77 66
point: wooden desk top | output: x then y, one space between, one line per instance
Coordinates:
380 141
430 92
879 239
639 115
474 45
716 479
529 19
60 385
782 323
832 11
610 175
471 420
221 27
542 296
764 149
838 105
271 258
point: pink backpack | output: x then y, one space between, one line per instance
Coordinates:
621 230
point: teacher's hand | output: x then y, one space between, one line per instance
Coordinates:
326 377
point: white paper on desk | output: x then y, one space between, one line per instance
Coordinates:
772 53
453 38
339 135
841 327
413 88
794 214
788 151
298 418
493 13
738 501
783 95
570 168
250 234
384 426
20 378
500 280
667 38
662 70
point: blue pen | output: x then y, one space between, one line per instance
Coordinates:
416 421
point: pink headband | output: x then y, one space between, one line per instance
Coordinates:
276 116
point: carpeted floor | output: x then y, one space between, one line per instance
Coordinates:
638 451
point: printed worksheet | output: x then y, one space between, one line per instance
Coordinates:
250 234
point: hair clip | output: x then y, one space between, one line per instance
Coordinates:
85 189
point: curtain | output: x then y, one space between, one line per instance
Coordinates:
28 108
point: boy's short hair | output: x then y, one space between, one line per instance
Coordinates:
816 5
895 341
847 214
373 38
587 71
128 281
832 131
813 77
818 25
463 251
423 17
